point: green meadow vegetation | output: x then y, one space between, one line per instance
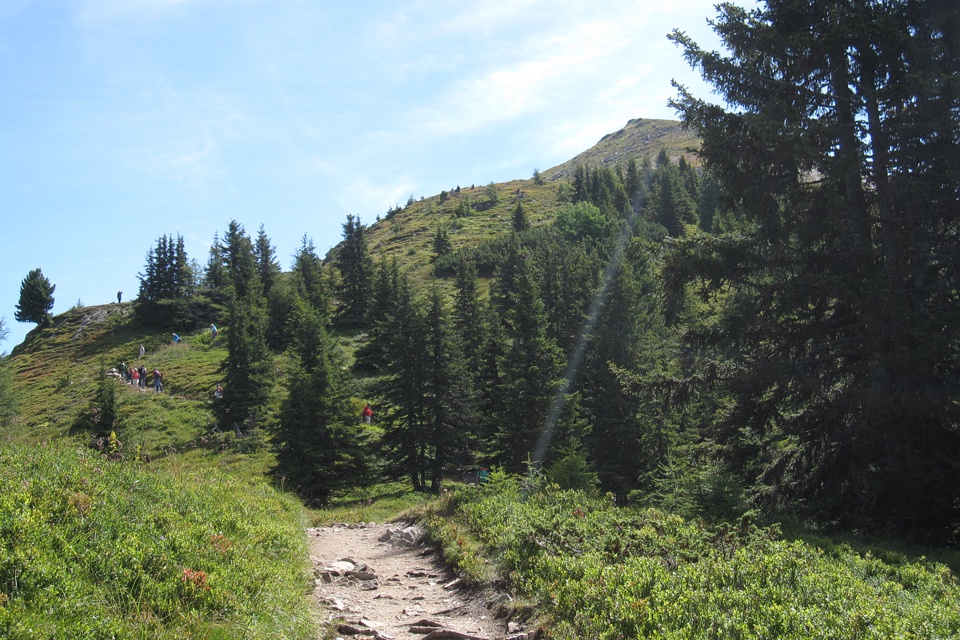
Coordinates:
586 568
95 546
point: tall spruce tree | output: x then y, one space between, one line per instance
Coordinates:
385 298
530 367
468 313
449 406
840 150
356 274
267 266
36 299
242 271
520 220
215 274
308 275
246 369
319 443
403 391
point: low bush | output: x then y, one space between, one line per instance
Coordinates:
599 571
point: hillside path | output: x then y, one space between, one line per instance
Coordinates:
378 581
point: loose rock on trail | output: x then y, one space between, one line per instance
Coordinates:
381 582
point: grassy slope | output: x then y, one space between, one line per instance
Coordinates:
409 234
640 138
94 547
55 377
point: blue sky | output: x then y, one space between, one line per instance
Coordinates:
123 120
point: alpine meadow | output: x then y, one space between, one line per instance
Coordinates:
700 381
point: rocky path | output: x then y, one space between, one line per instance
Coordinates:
379 581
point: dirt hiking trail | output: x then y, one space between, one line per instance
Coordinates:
380 581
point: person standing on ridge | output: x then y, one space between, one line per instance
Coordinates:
213 332
367 414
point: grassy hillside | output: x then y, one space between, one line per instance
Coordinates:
92 546
640 138
55 373
408 234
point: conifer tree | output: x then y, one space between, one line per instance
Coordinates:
838 148
167 274
215 274
630 335
489 384
441 241
567 275
246 368
36 299
242 272
267 266
385 298
403 390
670 203
530 367
448 407
308 275
356 273
520 221
468 313
319 444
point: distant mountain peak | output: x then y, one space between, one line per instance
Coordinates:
640 138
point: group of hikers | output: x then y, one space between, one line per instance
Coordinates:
136 375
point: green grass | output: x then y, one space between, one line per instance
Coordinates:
384 502
596 571
640 138
408 236
95 548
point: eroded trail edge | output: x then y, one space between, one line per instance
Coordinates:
380 581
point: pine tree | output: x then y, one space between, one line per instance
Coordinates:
530 367
520 221
356 273
319 443
246 368
838 149
267 266
242 272
405 420
215 275
448 406
308 276
36 299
